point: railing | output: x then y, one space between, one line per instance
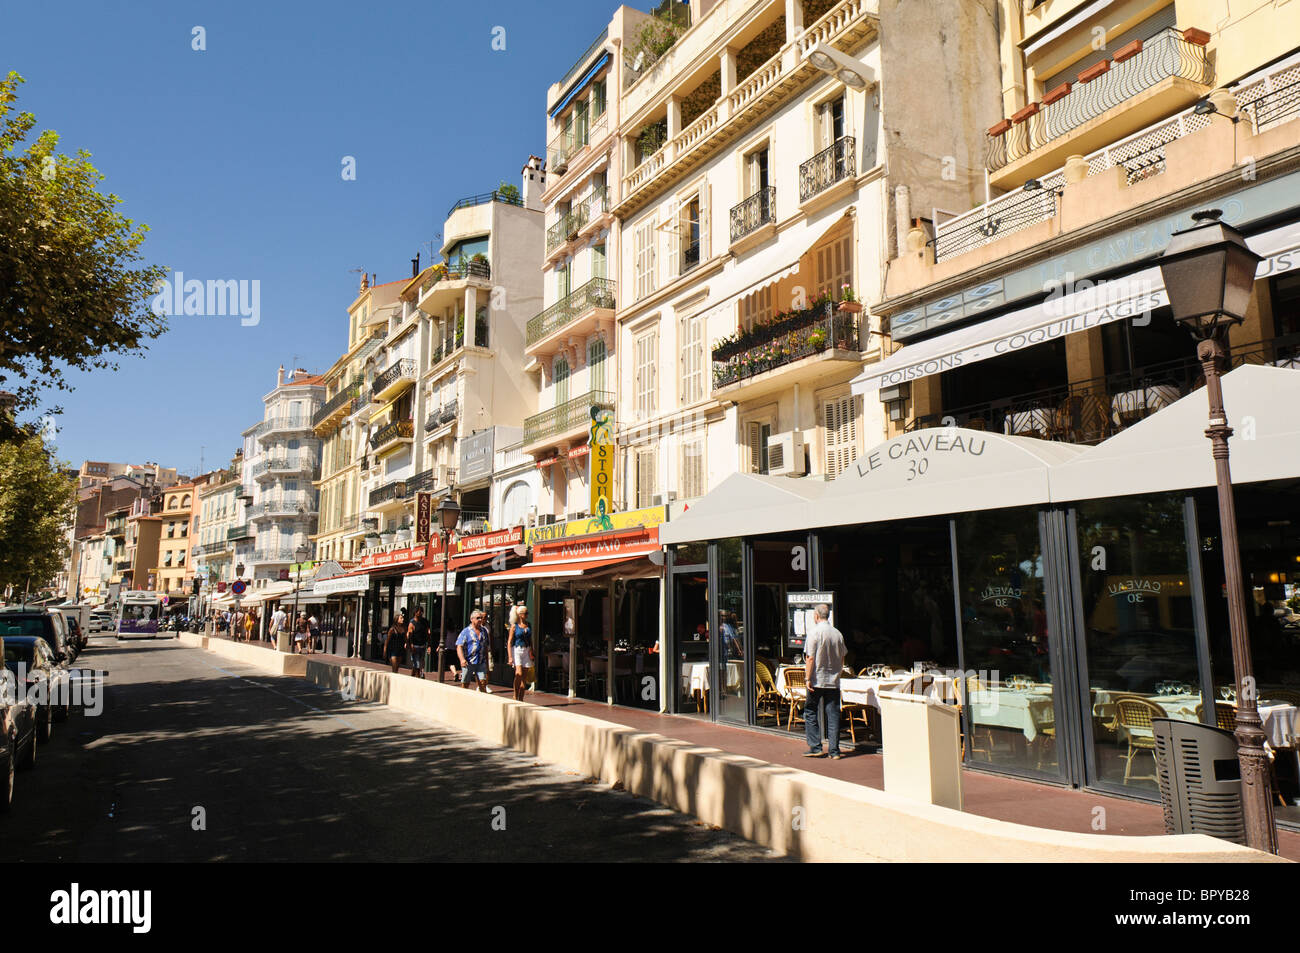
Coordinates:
449 412
597 203
294 463
578 132
581 61
512 456
1137 67
472 516
349 522
397 430
424 480
567 416
690 256
275 556
285 506
484 197
835 163
1005 215
753 213
818 329
1270 103
238 532
206 549
1087 412
394 490
567 227
291 422
596 293
403 369
341 399
370 523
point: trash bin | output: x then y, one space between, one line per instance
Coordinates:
922 748
1200 779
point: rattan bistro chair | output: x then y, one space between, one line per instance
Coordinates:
1137 713
1225 716
767 700
796 689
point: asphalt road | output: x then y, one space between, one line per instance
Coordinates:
277 769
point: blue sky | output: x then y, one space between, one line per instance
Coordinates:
233 157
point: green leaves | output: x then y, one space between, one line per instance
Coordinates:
71 290
37 505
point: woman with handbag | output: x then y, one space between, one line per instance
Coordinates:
395 646
521 650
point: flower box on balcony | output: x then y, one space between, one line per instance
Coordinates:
1128 51
1195 36
1092 72
1023 114
853 307
1059 92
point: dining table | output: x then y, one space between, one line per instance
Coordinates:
695 679
1029 709
1279 719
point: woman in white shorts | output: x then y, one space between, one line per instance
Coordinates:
521 649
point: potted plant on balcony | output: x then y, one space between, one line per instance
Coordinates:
387 537
848 303
404 533
372 539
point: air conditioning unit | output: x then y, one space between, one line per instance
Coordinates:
545 519
785 456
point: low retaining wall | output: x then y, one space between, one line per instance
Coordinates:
193 640
259 656
793 812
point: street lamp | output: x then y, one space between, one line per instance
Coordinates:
448 517
302 552
1209 272
847 70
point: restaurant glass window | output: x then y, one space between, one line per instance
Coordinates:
780 567
1009 702
1139 630
636 643
728 634
689 626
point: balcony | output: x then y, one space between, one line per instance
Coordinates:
206 549
442 416
566 229
275 556
239 532
284 507
287 424
789 350
578 132
1140 83
399 375
293 463
591 303
570 419
1088 412
446 283
829 174
483 198
392 492
753 221
391 434
339 406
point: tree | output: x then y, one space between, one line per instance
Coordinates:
71 291
37 506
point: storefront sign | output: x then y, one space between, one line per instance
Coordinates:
423 516
650 516
342 584
395 557
476 456
221 587
487 542
428 582
634 542
602 461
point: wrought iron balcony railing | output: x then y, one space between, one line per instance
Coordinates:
833 164
343 399
483 198
397 430
292 463
285 506
456 271
205 549
238 532
596 293
286 555
288 423
690 255
568 416
753 213
394 490
568 226
818 329
403 369
1136 67
422 481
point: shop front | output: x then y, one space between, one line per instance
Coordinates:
1064 595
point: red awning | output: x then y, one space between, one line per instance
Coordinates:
460 562
562 568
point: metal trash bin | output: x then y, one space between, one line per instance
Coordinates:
1200 779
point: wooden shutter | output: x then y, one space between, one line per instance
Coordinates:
754 439
835 266
841 434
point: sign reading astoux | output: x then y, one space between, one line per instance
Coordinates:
601 442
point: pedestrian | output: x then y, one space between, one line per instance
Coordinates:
417 640
825 652
472 650
521 650
278 620
396 642
301 632
250 625
313 632
448 645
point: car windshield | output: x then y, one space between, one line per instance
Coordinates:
24 625
16 652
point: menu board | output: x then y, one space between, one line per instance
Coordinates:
799 616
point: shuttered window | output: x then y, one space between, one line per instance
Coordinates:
834 266
561 381
692 358
840 420
692 483
757 435
647 375
596 361
647 467
756 307
645 238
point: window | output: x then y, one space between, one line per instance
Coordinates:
757 435
756 307
561 373
756 171
690 232
599 261
830 122
645 237
598 99
596 361
564 279
840 418
692 370
692 482
834 266
647 467
647 375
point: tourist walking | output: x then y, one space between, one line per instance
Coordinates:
472 650
395 644
417 639
825 652
521 650
279 618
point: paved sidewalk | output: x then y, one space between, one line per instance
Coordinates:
1047 806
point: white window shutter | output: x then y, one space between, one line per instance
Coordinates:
755 441
706 205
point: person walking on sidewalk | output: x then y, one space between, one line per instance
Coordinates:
472 649
825 652
278 621
521 650
417 640
395 644
250 625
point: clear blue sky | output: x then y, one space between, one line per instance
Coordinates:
233 157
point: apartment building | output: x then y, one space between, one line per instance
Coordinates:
341 422
143 530
761 155
174 565
281 462
221 520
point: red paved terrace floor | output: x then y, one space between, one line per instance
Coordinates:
989 795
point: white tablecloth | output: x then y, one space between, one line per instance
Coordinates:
862 691
1028 710
1279 720
695 676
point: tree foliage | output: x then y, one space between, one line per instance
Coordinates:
37 506
73 292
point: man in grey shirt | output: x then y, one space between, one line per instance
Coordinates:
825 652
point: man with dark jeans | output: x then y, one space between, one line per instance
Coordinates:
825 652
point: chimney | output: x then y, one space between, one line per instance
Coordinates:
279 378
365 281
534 183
415 265
299 373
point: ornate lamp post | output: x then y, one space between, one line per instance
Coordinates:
302 552
1209 272
448 517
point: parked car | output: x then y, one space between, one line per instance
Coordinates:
48 682
48 624
18 720
101 621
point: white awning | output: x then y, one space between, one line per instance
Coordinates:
744 504
1169 449
340 584
1057 316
